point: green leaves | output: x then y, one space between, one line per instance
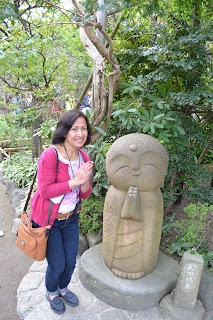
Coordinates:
134 87
208 259
98 151
6 10
90 219
190 232
179 248
19 168
100 130
127 116
159 121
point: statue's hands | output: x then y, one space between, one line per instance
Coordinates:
132 205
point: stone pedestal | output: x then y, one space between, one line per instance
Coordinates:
127 294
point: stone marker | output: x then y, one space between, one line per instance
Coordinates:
1 233
136 166
189 280
182 303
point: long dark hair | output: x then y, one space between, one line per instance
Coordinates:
66 122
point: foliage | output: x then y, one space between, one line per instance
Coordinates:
90 219
165 52
208 157
100 180
168 223
192 229
19 168
208 259
166 91
37 59
175 131
191 232
12 131
47 129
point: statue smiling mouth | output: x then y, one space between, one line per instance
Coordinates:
136 173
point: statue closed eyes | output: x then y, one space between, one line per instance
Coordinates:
136 166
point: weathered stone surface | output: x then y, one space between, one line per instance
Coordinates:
169 312
136 166
153 313
17 196
83 244
189 280
208 315
127 294
205 293
18 212
16 224
39 266
32 304
118 315
4 179
182 303
93 239
30 282
10 186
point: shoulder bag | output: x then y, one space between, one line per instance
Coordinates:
33 241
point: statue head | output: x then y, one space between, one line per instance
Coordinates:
137 160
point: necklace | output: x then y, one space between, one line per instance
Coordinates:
70 160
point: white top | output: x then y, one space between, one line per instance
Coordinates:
70 199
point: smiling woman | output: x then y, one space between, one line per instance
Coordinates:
61 185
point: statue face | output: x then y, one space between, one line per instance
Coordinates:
134 165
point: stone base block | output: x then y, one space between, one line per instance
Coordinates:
124 293
169 312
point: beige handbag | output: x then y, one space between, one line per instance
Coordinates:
33 241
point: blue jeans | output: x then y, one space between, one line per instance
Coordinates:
62 250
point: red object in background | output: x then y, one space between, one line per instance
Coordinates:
56 106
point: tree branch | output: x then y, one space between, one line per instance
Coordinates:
44 75
205 150
4 32
11 85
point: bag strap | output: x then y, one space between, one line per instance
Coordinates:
30 192
31 189
51 203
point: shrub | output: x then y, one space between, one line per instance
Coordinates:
90 219
191 232
20 168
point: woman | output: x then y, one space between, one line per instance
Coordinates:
62 183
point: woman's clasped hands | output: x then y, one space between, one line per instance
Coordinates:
82 175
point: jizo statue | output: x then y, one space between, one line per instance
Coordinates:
136 166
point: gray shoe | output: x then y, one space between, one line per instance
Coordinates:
56 304
70 298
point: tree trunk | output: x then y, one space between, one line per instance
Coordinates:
103 99
36 140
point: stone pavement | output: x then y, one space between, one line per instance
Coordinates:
32 304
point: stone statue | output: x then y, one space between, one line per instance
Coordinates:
136 166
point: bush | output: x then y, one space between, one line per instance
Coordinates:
12 131
90 219
191 232
20 168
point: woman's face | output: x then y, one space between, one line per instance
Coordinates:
77 135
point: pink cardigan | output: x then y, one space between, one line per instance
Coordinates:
51 185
